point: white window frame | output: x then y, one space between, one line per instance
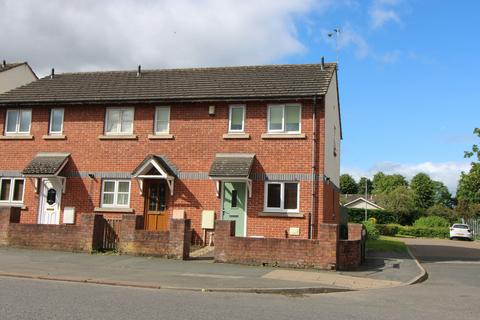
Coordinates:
12 186
283 130
119 133
236 106
50 131
156 120
17 123
282 196
115 194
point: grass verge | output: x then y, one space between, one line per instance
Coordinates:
386 244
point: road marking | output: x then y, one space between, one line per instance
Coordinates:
454 262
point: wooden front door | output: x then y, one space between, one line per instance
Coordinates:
156 216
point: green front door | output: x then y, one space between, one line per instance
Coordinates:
234 205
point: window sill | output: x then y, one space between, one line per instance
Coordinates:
282 214
17 137
14 205
118 137
283 136
161 137
114 210
236 136
54 137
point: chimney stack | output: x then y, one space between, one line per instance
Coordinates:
139 71
322 65
52 75
4 64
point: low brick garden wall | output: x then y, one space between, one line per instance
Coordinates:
75 238
351 252
174 243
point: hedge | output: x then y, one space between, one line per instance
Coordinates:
398 230
381 216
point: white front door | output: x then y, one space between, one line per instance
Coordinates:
50 199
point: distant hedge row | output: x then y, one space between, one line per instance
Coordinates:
382 216
399 230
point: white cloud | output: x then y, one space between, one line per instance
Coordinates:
91 34
447 172
382 12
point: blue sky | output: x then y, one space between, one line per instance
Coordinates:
409 83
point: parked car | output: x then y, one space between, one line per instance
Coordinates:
463 231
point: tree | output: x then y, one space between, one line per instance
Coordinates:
469 185
441 195
443 211
361 185
475 152
424 191
348 184
400 200
383 183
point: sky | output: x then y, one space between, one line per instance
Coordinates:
408 69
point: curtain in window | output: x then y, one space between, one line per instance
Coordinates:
276 118
292 118
236 123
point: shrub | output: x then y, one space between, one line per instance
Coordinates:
424 232
372 232
381 216
388 229
431 222
372 220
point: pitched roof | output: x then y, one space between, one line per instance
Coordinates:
362 199
160 160
231 165
271 81
9 66
46 164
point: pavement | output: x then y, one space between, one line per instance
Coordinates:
202 274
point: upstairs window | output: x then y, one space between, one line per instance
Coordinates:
56 121
284 118
11 190
236 119
115 193
282 196
162 120
119 121
18 121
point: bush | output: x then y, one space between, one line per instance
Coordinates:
372 232
424 232
381 216
431 222
372 220
388 229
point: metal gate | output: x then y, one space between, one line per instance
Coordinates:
110 233
474 224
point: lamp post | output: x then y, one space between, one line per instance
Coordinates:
366 195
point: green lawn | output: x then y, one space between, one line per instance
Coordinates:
385 243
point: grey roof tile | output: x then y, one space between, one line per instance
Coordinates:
163 161
231 165
277 81
46 164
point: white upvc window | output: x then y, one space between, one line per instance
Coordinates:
162 120
284 118
115 193
11 190
282 196
56 121
119 121
18 121
236 119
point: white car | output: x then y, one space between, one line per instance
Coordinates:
460 230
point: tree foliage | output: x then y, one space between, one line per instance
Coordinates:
401 200
348 185
475 152
441 195
383 183
423 190
469 184
361 185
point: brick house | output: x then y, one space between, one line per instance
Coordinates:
259 145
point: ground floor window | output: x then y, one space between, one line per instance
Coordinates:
282 196
11 190
115 193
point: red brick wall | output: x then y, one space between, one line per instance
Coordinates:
174 243
198 137
52 237
350 252
301 253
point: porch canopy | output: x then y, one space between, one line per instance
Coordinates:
232 167
47 165
155 167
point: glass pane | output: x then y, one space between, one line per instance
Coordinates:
153 200
162 126
12 120
161 197
5 189
163 114
292 118
25 119
236 123
18 190
273 195
113 120
290 196
234 198
51 196
276 118
127 121
122 199
108 186
107 198
123 186
57 120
